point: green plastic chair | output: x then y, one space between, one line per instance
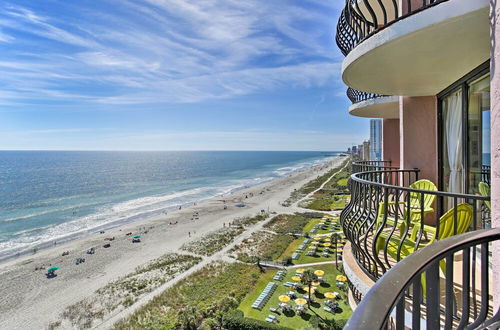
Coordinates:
415 206
484 190
446 229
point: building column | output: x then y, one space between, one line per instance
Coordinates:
418 135
495 144
390 141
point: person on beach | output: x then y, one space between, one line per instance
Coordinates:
189 234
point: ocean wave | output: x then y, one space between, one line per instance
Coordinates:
134 209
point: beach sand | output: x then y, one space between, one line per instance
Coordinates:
29 300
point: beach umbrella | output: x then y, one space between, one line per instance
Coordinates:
329 295
316 283
327 244
300 270
319 272
52 269
317 238
300 301
311 291
339 250
341 278
312 247
137 236
296 278
284 298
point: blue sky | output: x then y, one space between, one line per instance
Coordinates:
173 75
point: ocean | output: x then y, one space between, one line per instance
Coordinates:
60 195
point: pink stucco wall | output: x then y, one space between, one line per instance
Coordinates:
390 141
418 135
495 143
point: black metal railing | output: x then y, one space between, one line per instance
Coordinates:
358 96
443 286
360 19
486 173
386 220
372 165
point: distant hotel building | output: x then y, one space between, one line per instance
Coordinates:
375 139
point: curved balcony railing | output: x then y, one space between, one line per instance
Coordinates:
361 19
486 173
385 220
358 96
372 165
456 273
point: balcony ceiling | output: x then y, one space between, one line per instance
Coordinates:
423 53
382 107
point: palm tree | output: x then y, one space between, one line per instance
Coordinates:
189 318
307 278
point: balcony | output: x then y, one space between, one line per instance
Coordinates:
385 214
371 105
388 222
396 47
372 165
457 295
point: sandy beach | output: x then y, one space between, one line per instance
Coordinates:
29 300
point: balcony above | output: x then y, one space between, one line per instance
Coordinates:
370 105
404 53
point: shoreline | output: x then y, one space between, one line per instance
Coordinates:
29 300
17 253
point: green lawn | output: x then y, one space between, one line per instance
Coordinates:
342 182
312 223
292 320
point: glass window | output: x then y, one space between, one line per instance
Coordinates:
478 129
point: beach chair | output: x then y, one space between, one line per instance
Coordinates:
416 206
328 309
484 190
446 229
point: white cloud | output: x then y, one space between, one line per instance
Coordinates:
165 51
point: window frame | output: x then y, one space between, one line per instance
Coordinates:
463 84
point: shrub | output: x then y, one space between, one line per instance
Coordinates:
205 294
287 223
234 320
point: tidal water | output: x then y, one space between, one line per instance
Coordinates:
59 195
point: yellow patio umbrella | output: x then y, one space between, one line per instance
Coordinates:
319 272
317 238
316 283
300 270
300 301
296 278
341 278
310 292
327 244
284 298
329 295
311 247
314 243
339 250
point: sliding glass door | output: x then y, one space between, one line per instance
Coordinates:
465 134
478 133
